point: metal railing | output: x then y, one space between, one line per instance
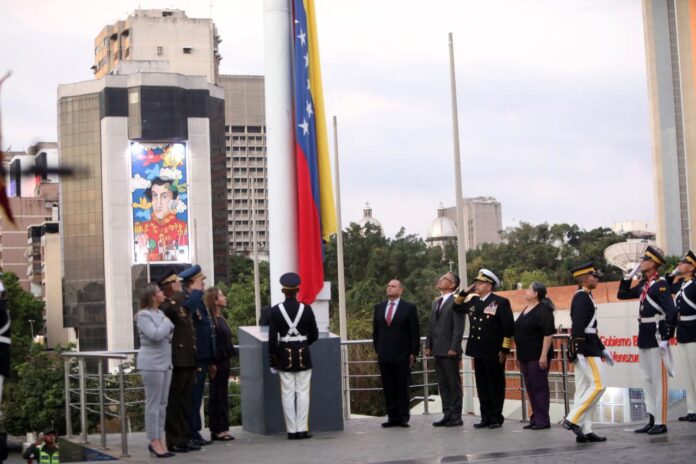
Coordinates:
423 370
105 393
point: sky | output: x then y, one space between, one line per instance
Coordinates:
552 97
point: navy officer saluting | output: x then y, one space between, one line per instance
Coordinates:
657 320
686 328
291 329
490 337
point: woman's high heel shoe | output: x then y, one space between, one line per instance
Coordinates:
154 453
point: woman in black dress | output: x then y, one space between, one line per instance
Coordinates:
218 403
534 329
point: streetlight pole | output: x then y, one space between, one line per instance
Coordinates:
31 324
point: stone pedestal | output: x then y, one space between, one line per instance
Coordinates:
261 408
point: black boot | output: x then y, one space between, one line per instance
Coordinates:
657 429
579 436
648 426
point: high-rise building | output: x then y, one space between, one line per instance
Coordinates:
247 188
33 199
670 44
159 41
484 219
45 263
153 197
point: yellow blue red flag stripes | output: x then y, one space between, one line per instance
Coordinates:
316 216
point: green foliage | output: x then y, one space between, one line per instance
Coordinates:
241 306
35 400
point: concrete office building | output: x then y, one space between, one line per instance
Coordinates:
153 198
45 262
484 220
247 186
160 40
34 199
670 44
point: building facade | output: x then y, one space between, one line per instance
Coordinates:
163 40
153 198
45 263
670 44
247 186
34 199
484 220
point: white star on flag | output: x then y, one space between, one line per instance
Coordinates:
308 88
304 126
302 37
309 109
306 60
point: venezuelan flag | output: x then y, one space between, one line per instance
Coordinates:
316 215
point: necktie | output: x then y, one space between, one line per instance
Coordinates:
390 313
439 306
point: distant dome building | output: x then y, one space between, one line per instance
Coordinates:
442 230
368 219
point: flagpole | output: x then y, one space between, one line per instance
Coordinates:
342 318
461 229
468 397
282 227
255 253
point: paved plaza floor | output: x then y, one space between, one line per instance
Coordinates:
364 441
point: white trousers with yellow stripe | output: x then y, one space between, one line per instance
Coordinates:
687 371
588 390
655 388
294 394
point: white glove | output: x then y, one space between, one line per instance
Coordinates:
582 361
607 358
274 370
633 272
663 344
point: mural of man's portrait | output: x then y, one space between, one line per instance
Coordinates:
160 203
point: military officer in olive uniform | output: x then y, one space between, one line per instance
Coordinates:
184 362
490 338
292 328
193 279
587 352
685 302
657 321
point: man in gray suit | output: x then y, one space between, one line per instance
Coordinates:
444 343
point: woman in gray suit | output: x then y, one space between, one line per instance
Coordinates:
155 365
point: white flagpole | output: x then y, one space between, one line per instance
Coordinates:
342 318
462 242
282 242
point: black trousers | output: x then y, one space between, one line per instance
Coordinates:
449 382
490 386
179 405
194 418
218 401
395 382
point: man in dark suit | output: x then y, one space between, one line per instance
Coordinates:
396 338
292 329
492 327
444 342
183 361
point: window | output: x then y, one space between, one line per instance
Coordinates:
187 50
160 51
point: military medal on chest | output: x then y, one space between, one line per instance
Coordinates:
491 309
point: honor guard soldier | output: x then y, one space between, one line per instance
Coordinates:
183 361
193 279
292 328
586 351
490 338
685 302
657 320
